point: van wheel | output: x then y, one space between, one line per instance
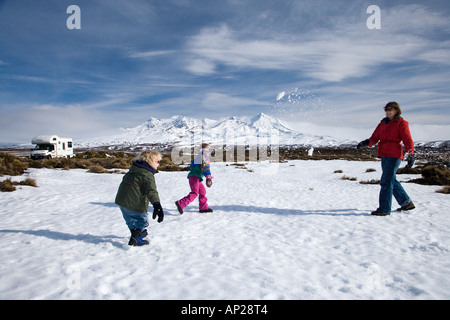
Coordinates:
49 157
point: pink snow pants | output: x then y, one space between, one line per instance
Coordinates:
197 189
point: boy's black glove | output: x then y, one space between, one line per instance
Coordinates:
158 211
410 159
363 143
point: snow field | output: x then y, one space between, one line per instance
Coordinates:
284 231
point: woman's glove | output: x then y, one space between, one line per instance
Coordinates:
158 211
410 159
362 144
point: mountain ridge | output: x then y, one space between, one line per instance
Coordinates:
181 130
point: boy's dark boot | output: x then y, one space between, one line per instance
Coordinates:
137 238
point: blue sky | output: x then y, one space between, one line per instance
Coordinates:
135 59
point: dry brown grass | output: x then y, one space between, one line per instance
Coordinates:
344 177
12 165
434 175
120 162
445 190
8 186
372 181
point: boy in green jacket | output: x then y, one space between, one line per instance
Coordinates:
136 191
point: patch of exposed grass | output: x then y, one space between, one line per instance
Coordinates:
12 165
372 181
8 186
434 175
445 190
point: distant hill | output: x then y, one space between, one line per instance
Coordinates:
179 130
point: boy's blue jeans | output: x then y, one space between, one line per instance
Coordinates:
390 186
134 220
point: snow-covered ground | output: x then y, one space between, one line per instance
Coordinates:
284 231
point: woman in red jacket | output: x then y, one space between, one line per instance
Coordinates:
391 131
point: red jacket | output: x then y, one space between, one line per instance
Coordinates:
389 134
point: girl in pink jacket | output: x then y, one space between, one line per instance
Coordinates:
199 168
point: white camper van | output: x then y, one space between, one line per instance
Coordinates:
48 147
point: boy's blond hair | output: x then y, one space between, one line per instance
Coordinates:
150 156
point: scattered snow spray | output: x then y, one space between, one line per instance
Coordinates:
299 103
302 105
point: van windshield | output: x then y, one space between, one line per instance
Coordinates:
48 147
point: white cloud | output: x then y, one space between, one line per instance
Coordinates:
429 132
329 58
418 132
201 67
70 120
438 56
322 46
151 54
220 101
349 50
413 19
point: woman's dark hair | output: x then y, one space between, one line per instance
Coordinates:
393 105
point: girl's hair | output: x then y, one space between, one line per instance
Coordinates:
394 105
205 145
150 156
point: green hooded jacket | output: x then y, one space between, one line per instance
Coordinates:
138 188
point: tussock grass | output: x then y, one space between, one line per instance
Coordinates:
12 165
372 181
99 161
8 186
445 190
434 175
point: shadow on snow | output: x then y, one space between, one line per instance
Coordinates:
265 210
55 235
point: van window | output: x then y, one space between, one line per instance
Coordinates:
48 147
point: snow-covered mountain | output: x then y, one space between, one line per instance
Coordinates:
179 130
